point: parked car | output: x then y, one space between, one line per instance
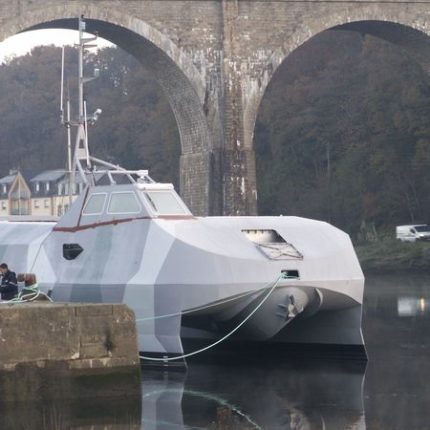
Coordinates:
412 233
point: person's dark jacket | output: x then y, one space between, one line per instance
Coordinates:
9 286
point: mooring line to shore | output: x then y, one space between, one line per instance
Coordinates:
212 305
190 354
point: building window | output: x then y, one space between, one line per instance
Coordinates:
46 203
36 203
3 205
37 187
59 210
60 189
66 208
4 188
47 186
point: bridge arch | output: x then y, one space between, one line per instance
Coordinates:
410 32
174 70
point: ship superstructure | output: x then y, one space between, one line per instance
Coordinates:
129 239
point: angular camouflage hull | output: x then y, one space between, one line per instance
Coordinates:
200 277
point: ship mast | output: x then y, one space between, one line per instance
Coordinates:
66 123
81 160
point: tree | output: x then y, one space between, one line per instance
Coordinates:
343 134
137 128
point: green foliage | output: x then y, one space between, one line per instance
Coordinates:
136 129
343 135
392 255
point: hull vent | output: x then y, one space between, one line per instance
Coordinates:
273 245
71 250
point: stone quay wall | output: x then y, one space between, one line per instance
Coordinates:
81 336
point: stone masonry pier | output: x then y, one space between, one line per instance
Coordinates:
214 59
77 336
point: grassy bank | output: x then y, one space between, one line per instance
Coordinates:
391 255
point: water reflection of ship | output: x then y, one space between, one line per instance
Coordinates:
294 396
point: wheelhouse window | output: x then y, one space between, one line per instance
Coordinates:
124 203
95 204
165 203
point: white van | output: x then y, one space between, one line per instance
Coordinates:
411 233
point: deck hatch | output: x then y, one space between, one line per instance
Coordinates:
273 245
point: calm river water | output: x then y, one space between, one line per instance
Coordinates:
391 392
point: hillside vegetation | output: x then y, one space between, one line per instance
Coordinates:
343 133
394 256
137 127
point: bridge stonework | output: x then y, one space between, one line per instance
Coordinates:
215 59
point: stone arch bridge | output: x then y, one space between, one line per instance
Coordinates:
215 59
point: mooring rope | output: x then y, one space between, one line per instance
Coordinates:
211 305
29 293
206 396
190 354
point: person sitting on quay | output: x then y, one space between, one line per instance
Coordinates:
8 285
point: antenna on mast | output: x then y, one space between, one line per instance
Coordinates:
82 161
67 124
81 150
62 87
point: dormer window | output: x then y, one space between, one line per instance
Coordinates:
60 189
47 186
4 188
37 187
